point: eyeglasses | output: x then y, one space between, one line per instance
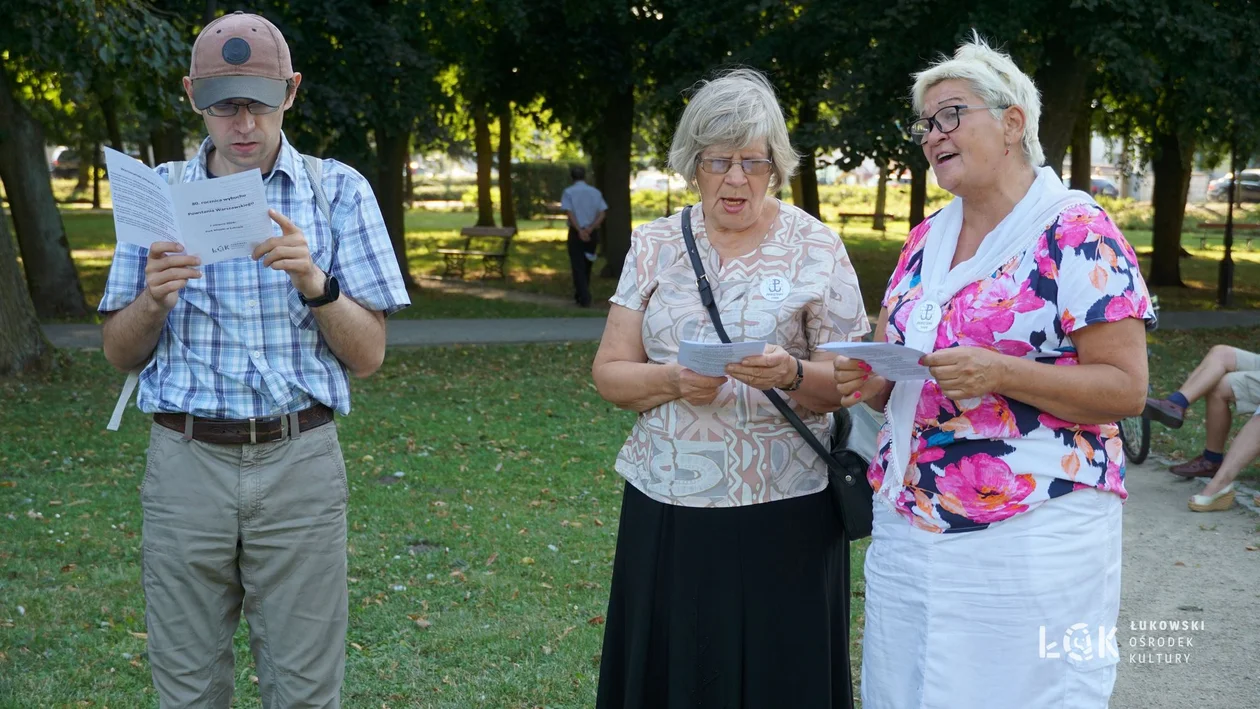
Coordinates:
721 166
946 121
227 109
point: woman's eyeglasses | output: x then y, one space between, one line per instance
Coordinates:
721 166
946 121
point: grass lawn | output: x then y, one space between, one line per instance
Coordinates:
539 264
479 576
499 534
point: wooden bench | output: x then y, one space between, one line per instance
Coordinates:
844 218
491 243
552 211
1247 236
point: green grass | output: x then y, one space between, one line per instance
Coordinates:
539 263
1173 355
498 469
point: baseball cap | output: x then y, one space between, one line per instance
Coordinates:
240 56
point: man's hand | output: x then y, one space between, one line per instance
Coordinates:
167 271
584 235
696 389
290 253
774 369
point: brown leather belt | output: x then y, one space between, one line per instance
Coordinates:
263 430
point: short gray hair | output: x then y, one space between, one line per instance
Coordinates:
734 109
995 79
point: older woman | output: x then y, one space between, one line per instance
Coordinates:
730 586
993 575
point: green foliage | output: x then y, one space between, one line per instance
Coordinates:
535 184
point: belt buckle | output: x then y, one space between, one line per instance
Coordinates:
253 431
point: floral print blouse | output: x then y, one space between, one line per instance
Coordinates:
987 459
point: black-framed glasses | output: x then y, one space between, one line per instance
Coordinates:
946 121
227 109
721 166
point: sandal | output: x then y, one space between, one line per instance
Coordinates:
1219 502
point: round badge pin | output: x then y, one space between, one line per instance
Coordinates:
926 315
776 289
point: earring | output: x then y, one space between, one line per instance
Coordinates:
1008 149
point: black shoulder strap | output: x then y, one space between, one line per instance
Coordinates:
706 297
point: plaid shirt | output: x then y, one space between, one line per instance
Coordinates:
239 343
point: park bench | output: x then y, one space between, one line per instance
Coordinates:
1248 233
844 218
490 243
553 212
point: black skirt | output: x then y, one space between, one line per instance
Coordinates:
737 608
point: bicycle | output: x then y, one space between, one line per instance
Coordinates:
1135 431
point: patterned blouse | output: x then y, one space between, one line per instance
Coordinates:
984 460
797 290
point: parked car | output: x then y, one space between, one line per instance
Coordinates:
65 163
1248 187
1103 187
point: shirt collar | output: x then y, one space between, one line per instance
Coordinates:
286 161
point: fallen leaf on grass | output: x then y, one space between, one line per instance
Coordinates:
597 620
598 523
54 503
7 483
68 568
565 633
527 560
546 650
457 574
357 646
420 621
1179 563
142 636
492 558
253 678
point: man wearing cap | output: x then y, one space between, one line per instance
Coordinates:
244 364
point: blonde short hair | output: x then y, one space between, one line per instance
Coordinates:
995 79
735 109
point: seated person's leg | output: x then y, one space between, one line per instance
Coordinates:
1219 415
1220 360
1219 492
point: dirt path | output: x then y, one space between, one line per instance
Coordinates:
1192 570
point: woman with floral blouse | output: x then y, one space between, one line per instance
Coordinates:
993 575
731 581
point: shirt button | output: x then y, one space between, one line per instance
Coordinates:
256 354
252 303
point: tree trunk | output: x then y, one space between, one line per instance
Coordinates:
798 194
1082 159
485 162
208 12
618 136
1063 78
168 142
881 199
809 185
85 166
507 208
409 183
96 175
50 274
1172 168
109 110
391 160
22 343
918 194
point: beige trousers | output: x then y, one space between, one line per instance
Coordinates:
259 528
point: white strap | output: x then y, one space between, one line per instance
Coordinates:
175 174
315 171
129 386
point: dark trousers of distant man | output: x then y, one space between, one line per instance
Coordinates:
581 259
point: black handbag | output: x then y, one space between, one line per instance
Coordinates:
851 492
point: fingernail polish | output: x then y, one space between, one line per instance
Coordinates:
857 395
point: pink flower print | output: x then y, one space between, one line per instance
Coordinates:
983 489
993 418
932 403
1074 227
981 312
1045 263
1069 321
1113 481
1114 447
1054 422
1126 305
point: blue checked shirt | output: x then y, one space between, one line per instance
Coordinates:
239 343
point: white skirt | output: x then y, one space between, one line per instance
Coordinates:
1021 614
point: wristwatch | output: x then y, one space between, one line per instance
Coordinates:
800 377
332 291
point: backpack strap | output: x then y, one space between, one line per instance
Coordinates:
315 171
174 176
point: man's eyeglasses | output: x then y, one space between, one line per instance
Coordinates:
946 121
227 109
721 166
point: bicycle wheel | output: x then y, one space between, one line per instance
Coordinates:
1135 433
